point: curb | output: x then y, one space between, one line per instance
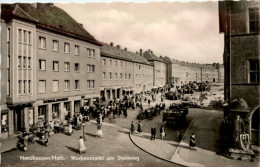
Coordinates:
153 154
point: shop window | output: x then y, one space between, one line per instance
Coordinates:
4 122
42 113
55 111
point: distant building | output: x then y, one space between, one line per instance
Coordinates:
180 72
50 68
239 21
159 74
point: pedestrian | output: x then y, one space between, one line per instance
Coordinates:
149 101
99 131
70 129
162 98
139 127
132 127
192 141
82 147
162 132
153 132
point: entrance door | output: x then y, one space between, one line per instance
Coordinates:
255 131
77 106
18 119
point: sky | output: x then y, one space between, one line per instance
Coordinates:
186 31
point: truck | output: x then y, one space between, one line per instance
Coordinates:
175 116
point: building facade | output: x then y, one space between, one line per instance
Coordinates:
239 21
51 68
159 71
123 72
180 72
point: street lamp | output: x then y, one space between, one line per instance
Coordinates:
83 125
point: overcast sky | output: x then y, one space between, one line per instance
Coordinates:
186 31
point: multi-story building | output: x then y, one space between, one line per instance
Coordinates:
159 73
180 72
239 21
123 72
51 68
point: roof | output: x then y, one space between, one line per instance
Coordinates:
114 52
47 16
151 57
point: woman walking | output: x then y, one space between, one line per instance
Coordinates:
99 131
82 147
70 129
132 127
139 127
162 131
192 141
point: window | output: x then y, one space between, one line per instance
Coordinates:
129 76
66 66
67 85
42 86
121 76
90 68
24 62
24 36
55 45
42 42
29 62
254 19
116 63
24 87
20 87
76 84
55 66
8 35
29 87
90 84
20 62
55 86
66 47
91 52
110 62
76 50
104 75
104 62
8 88
19 35
76 67
42 65
116 76
121 63
125 64
254 71
125 75
110 75
29 37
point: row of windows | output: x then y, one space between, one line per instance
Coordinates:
55 85
24 36
55 66
24 87
144 76
24 62
122 63
42 45
116 76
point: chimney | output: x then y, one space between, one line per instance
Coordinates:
141 52
111 44
35 5
125 49
118 46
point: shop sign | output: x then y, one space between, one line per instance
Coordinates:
55 100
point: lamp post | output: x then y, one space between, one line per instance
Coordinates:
83 125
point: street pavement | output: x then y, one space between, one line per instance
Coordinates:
136 150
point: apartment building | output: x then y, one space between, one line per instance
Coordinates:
51 69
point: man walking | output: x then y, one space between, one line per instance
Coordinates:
153 133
